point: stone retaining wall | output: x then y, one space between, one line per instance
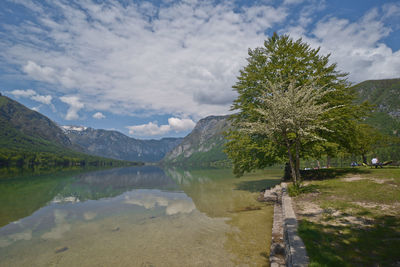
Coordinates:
287 248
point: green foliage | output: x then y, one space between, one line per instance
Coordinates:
290 117
284 61
295 190
366 137
251 152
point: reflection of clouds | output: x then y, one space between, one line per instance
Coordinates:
147 201
61 199
8 240
180 206
61 226
173 205
89 215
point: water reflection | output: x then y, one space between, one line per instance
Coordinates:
134 216
21 196
113 182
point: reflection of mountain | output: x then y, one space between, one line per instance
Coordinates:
21 197
113 182
185 177
210 190
217 192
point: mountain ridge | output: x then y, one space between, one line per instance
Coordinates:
384 94
28 138
30 122
117 145
204 145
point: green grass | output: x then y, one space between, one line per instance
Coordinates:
374 198
351 245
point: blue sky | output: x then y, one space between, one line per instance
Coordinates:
154 68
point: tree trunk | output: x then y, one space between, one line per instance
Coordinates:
364 157
298 178
292 164
287 172
328 161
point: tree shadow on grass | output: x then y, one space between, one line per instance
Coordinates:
256 186
323 174
304 189
376 244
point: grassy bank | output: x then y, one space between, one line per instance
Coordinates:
351 217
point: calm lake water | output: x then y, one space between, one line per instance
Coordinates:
136 216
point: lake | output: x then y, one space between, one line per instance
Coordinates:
136 216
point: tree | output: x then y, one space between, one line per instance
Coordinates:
366 139
290 116
285 65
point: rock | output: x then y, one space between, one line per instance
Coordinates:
277 249
62 249
272 194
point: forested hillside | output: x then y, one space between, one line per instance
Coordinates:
28 138
385 96
204 145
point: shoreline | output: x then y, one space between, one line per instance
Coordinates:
287 248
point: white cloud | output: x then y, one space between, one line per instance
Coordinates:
124 62
182 57
23 93
178 125
99 115
151 129
38 72
357 46
74 106
44 99
148 129
391 10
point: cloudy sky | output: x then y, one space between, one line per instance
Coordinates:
153 68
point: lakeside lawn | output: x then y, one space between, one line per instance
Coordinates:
351 218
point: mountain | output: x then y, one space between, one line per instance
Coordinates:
385 96
18 120
204 145
28 138
116 145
